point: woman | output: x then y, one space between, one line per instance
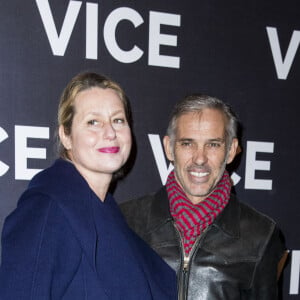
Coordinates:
67 238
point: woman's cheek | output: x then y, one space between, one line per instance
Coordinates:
91 139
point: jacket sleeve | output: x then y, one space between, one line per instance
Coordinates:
36 251
265 285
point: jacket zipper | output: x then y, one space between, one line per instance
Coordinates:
183 278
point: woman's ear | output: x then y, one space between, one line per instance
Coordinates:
65 139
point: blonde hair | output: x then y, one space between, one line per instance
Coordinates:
79 83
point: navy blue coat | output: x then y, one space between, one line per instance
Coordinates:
61 242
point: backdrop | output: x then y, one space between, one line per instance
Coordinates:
244 52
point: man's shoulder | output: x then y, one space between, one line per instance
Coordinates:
255 223
143 202
250 230
136 203
135 212
255 217
143 211
138 208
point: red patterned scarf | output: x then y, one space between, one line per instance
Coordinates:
192 219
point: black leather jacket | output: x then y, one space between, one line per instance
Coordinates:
235 258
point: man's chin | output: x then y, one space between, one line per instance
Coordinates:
197 196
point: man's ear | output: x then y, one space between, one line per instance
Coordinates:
65 139
232 151
168 148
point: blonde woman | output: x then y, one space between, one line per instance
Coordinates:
67 238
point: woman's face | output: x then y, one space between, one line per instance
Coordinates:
100 139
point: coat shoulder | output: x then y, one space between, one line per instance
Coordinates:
255 221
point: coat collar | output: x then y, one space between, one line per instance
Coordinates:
227 221
64 185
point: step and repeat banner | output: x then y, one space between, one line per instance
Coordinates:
244 52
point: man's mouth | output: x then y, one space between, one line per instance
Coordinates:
199 174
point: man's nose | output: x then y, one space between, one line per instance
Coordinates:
200 155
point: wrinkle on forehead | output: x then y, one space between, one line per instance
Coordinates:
207 121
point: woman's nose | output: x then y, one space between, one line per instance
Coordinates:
109 131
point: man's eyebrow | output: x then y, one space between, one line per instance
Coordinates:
184 140
220 140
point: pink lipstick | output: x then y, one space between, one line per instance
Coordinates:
109 150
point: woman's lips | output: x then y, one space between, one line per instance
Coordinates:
109 150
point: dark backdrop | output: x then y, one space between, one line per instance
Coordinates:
244 52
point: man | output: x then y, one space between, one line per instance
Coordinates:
219 247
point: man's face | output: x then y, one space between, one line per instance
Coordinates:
199 152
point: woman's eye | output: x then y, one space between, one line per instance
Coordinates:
93 122
119 121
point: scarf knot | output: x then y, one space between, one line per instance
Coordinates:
192 219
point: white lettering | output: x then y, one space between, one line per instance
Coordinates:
156 39
252 165
159 156
22 152
3 167
91 30
283 65
295 272
235 178
109 31
58 42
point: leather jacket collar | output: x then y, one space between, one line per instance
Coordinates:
227 221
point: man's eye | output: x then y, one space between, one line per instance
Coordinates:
93 122
186 144
214 145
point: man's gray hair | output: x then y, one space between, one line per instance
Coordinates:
198 102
